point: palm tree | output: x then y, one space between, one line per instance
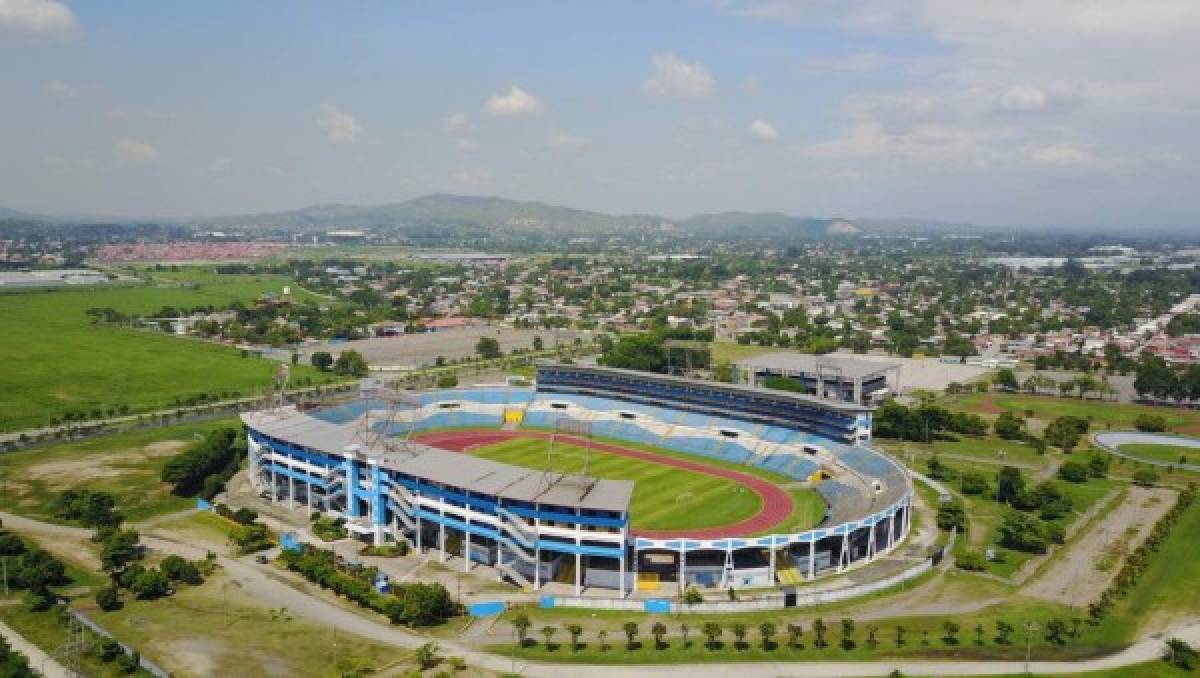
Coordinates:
683 631
712 631
871 631
575 630
900 635
631 631
658 630
521 624
979 631
795 632
548 631
603 636
739 632
819 629
766 630
847 634
951 629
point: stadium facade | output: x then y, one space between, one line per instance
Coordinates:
536 526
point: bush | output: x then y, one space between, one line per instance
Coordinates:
951 515
447 381
1145 477
179 569
972 561
1074 471
974 483
1151 423
107 599
204 467
150 584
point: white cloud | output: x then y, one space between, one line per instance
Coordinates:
220 165
563 140
675 78
37 19
465 144
516 102
455 122
1023 99
134 152
339 127
1059 155
61 90
763 130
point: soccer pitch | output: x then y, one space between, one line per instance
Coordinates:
664 498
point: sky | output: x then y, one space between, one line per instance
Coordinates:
1031 113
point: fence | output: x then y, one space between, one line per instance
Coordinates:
772 601
146 664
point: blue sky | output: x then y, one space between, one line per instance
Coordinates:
1051 113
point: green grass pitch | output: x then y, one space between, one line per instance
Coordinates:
664 498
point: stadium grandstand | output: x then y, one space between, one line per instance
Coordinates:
363 461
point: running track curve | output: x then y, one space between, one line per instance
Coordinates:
776 504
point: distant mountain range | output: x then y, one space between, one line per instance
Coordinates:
443 214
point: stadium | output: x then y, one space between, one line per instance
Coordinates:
600 479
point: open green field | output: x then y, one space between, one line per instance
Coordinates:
124 464
1046 408
730 352
194 633
664 498
56 361
1171 454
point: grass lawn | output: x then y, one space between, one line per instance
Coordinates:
730 352
1046 408
1172 454
664 498
125 464
193 633
57 361
988 449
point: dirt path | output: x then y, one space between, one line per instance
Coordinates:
776 504
42 663
1073 578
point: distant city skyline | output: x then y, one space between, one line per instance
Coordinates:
1054 113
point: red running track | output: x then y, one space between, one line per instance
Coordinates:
776 504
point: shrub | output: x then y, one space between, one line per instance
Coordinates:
972 561
1145 477
107 599
1151 423
1074 471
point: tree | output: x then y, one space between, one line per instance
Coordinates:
951 515
1064 432
642 352
548 633
973 483
900 630
1005 378
951 632
179 569
1010 484
819 628
118 549
766 630
1180 654
1056 631
1145 477
848 634
351 363
872 631
447 381
683 631
521 624
107 599
658 630
150 584
1009 426
979 633
712 631
538 344
1004 632
1074 471
631 632
426 655
739 634
795 633
1151 423
487 348
602 634
575 630
322 360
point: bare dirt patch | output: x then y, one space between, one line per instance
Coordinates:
72 471
1081 572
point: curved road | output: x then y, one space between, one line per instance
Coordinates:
776 504
262 583
1113 440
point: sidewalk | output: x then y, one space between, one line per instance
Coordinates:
39 661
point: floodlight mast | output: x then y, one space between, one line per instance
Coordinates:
377 427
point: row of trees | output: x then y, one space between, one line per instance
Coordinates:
205 466
1156 379
924 423
1056 630
411 604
